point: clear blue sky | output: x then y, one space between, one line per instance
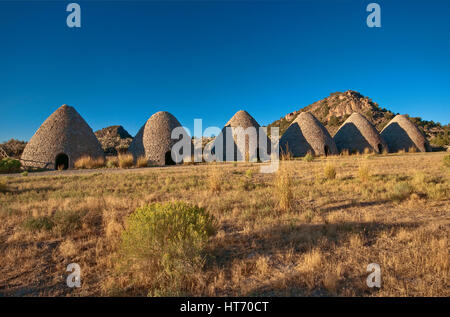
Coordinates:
208 59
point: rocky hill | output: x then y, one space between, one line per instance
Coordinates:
13 147
336 108
114 139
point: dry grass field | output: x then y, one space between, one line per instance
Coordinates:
311 229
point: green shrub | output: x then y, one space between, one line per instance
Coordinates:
308 157
167 243
447 161
249 173
25 173
9 165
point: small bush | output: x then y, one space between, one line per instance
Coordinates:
164 245
142 161
39 224
283 188
412 149
447 161
112 162
87 162
9 165
401 191
437 191
308 157
329 171
126 160
246 184
62 222
249 173
25 173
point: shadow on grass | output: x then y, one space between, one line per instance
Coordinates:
297 238
355 204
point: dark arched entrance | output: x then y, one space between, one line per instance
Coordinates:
168 159
61 161
380 149
326 150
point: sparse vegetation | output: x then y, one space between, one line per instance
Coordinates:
39 224
364 173
447 161
401 191
320 247
61 222
215 180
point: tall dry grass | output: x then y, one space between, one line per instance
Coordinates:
283 188
215 180
125 160
142 161
329 171
87 162
286 154
364 172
